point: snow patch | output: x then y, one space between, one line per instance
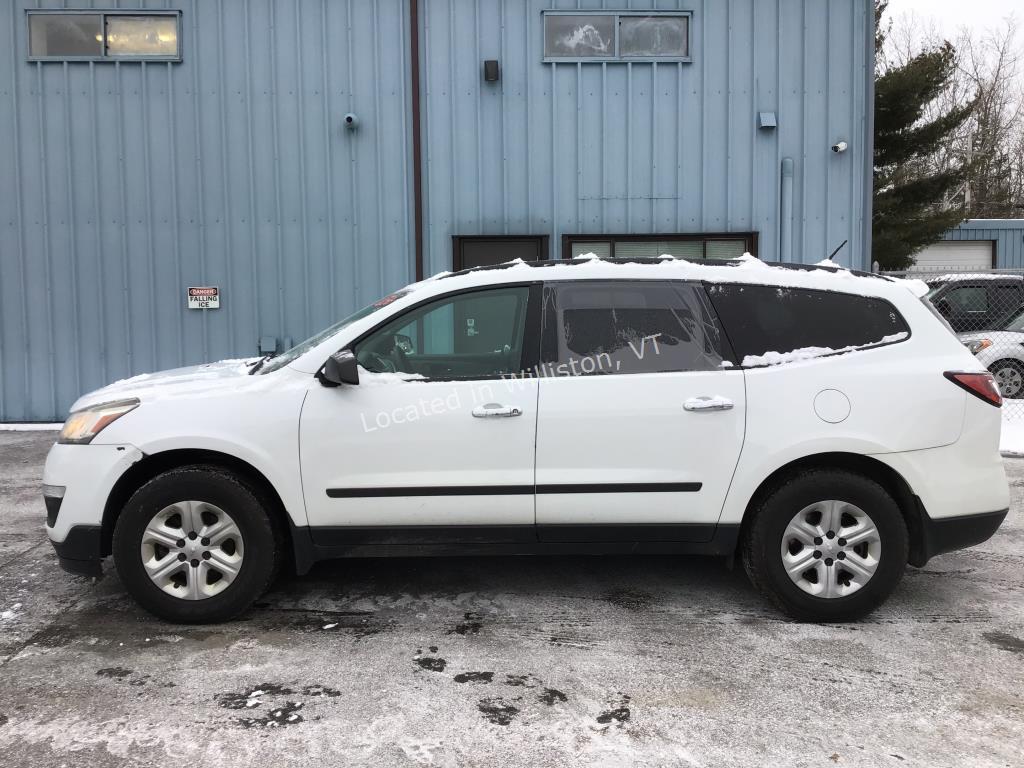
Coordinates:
371 378
954 276
1011 437
809 353
11 612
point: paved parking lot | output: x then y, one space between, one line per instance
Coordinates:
517 661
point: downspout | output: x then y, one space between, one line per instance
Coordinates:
786 215
417 170
869 137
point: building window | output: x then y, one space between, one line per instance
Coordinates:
620 36
687 246
102 36
489 250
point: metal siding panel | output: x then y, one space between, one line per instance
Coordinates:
715 114
233 167
816 138
765 183
131 181
641 147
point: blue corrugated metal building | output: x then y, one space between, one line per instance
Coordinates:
307 156
1006 237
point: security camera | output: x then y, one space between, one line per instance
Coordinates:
839 146
351 121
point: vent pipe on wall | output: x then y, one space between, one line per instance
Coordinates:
786 215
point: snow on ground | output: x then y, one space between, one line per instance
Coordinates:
1011 439
29 427
510 661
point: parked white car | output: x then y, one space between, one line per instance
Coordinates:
1002 352
824 426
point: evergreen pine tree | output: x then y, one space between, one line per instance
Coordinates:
913 201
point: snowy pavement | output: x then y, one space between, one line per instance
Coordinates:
1011 437
511 661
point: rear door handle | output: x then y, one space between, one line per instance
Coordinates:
491 410
705 403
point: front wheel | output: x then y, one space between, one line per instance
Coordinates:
826 545
195 545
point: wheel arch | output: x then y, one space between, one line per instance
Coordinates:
891 481
155 464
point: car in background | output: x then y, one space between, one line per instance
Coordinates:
975 302
1001 350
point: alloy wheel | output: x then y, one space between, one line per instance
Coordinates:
1010 380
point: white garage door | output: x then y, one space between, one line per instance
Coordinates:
954 255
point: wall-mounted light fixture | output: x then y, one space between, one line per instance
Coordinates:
766 121
351 121
492 72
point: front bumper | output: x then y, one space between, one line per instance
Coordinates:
83 477
81 552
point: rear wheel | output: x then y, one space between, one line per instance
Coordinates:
195 545
826 545
1009 375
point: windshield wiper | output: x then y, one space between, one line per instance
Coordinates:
259 363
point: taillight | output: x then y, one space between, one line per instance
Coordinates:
978 384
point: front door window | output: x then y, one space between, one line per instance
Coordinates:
467 336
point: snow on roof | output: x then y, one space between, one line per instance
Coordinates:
745 269
957 276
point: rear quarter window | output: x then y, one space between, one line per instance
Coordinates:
760 320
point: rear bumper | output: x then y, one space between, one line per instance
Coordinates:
951 533
81 551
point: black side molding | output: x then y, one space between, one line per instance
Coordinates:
326 542
431 490
511 490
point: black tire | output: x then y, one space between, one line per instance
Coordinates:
230 493
762 543
1012 365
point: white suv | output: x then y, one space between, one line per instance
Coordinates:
823 425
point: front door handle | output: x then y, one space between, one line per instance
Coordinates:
491 410
705 403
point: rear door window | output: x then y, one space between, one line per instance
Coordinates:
624 327
765 322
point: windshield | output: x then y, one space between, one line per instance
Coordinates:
1016 322
300 349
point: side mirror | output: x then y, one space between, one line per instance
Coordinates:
340 368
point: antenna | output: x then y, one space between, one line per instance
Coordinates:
837 250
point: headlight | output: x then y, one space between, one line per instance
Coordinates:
82 426
977 345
